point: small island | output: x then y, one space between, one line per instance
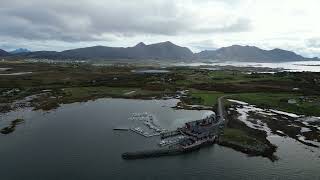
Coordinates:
12 127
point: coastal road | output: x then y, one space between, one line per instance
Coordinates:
220 110
220 115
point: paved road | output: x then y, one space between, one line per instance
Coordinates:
221 108
219 126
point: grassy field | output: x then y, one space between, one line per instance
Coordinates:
208 98
52 99
278 101
242 138
85 81
239 136
103 91
227 76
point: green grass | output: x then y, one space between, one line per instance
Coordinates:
82 93
85 91
237 135
237 77
209 98
228 76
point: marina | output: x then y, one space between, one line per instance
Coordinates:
146 125
191 136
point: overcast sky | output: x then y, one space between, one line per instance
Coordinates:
197 24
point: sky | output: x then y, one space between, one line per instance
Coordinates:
197 24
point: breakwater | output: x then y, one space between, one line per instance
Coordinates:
168 151
151 153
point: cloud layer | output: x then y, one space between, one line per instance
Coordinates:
61 24
86 20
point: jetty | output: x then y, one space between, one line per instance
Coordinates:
150 153
121 129
180 149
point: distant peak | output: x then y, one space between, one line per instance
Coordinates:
277 49
165 43
140 44
20 50
236 45
240 46
168 42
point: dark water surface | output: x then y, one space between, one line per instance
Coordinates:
76 141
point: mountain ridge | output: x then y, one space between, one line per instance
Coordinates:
163 50
168 51
250 53
3 53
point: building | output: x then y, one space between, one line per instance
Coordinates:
292 101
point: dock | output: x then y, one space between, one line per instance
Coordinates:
144 134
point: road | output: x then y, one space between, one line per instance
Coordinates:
220 109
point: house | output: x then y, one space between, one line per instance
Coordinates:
292 101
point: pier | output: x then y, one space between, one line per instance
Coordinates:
142 133
121 129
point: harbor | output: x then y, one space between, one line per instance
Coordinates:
145 124
192 136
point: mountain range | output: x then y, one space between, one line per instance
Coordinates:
250 53
164 51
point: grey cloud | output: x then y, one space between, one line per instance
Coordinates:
313 42
85 20
203 45
240 25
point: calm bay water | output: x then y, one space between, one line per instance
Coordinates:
76 141
298 66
